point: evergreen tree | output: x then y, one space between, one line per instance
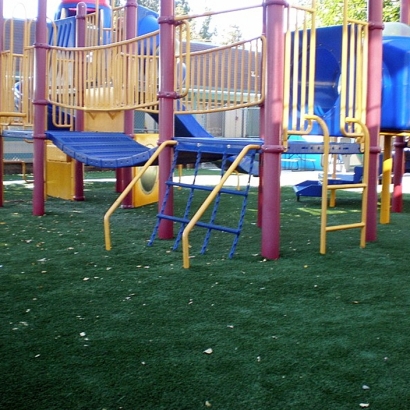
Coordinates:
182 7
150 4
232 35
205 33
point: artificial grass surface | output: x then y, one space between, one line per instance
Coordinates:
83 328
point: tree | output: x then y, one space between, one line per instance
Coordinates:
150 4
182 7
232 35
330 12
205 33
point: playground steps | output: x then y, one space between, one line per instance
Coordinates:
202 147
101 149
314 188
304 147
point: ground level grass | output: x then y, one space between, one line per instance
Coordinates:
83 328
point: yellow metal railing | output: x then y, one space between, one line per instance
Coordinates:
364 141
353 81
118 33
116 77
225 78
125 75
219 78
127 190
231 170
17 74
299 82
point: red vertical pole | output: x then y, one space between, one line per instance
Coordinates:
399 143
79 115
374 95
262 136
273 147
40 104
166 109
405 11
1 136
131 32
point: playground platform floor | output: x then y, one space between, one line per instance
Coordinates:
287 178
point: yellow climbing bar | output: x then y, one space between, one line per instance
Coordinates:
208 201
127 190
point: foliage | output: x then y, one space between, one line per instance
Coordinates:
150 4
232 35
182 7
330 12
205 33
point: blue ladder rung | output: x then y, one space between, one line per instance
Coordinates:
206 188
185 221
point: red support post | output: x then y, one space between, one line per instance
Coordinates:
79 115
262 136
374 96
399 143
40 104
405 11
166 109
273 148
1 136
131 32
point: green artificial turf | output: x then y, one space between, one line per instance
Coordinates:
83 328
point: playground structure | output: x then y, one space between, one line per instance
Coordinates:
114 69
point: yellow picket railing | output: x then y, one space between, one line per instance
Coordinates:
17 73
115 77
299 82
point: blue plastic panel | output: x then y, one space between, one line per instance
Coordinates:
101 149
396 84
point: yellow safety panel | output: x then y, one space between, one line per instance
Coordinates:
60 179
146 189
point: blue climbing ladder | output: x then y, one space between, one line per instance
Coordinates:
202 148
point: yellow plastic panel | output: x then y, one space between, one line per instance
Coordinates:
60 179
109 121
54 154
146 190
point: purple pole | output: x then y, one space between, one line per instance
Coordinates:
131 31
405 11
374 95
262 136
273 147
40 102
166 109
79 115
1 137
399 143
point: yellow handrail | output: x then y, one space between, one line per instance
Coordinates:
208 201
127 190
332 188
